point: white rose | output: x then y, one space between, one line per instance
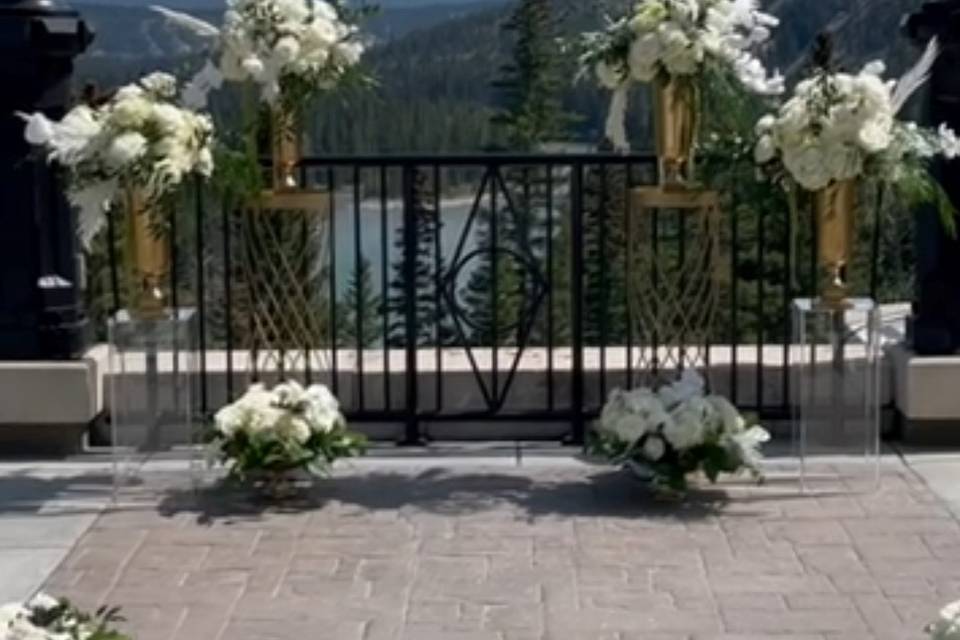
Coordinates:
126 149
160 84
876 135
949 143
348 53
765 124
608 75
807 165
169 118
844 162
629 428
685 431
322 33
644 56
253 66
131 113
765 151
728 416
654 448
286 50
43 601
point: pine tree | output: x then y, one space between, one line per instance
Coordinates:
495 294
432 320
530 87
605 268
358 311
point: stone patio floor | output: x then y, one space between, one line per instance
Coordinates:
554 549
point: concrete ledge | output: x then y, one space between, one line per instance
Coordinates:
48 392
927 394
46 407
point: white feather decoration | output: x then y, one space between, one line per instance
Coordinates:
199 28
916 77
616 128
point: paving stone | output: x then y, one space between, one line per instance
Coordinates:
525 555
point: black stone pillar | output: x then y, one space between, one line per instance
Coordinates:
40 311
935 326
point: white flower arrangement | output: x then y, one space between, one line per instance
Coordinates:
947 626
677 430
679 39
843 126
286 47
138 139
283 429
46 618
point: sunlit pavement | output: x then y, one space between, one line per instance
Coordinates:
478 548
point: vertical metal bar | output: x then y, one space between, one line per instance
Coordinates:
332 311
437 286
551 279
604 279
412 430
576 291
358 301
761 306
682 260
875 253
494 291
310 345
228 296
627 276
655 303
734 300
114 262
385 286
787 300
201 295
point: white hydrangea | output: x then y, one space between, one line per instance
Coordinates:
137 140
265 41
287 412
947 626
840 126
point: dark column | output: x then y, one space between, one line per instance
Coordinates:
40 312
935 327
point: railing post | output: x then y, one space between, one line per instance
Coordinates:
412 435
577 437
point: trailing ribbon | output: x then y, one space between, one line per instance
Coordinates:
616 129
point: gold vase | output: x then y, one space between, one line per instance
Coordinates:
676 113
835 210
286 150
148 258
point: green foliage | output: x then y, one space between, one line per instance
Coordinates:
531 84
358 311
65 618
246 454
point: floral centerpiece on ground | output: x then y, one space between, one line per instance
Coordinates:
843 126
46 618
139 140
677 430
679 40
947 626
270 433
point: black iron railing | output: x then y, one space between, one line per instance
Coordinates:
473 296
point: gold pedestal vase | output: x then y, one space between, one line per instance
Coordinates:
835 208
677 115
148 257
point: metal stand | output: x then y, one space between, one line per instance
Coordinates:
152 399
836 366
673 253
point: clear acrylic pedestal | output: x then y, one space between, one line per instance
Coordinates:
155 435
836 368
